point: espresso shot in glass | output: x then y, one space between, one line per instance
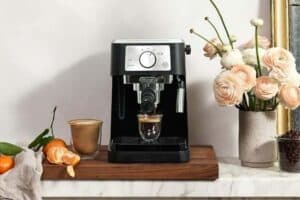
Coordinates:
86 137
149 126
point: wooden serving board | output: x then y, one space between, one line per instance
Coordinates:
203 165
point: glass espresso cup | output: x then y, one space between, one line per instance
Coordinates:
149 126
86 137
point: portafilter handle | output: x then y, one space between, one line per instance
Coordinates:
149 96
148 101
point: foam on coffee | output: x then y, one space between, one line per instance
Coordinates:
149 120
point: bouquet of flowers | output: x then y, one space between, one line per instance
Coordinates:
254 76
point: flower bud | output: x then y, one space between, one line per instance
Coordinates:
257 22
233 38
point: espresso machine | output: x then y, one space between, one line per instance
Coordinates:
148 79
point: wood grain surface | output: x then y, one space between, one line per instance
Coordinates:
203 165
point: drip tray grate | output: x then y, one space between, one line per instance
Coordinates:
137 144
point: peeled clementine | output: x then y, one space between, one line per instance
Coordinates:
6 163
56 142
70 158
55 154
70 171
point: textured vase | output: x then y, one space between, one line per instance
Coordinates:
257 138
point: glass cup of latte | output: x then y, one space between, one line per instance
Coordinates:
86 137
149 126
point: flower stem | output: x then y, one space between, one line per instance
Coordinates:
254 104
264 105
256 49
223 23
52 121
205 39
274 102
251 101
256 69
215 28
261 105
245 102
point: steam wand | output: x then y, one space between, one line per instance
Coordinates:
180 95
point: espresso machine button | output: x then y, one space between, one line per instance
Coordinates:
147 59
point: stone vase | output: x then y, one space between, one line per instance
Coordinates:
257 138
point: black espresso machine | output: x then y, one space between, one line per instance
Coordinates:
148 79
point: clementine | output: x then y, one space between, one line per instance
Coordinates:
6 163
56 142
55 154
70 171
70 158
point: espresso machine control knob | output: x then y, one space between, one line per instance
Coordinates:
188 49
147 59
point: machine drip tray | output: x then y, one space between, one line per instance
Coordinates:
137 144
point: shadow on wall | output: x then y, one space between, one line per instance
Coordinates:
210 124
82 91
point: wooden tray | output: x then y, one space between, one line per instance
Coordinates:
203 165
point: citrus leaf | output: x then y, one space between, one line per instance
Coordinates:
37 140
9 149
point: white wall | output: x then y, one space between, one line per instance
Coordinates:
57 52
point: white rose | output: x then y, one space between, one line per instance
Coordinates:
231 58
225 48
249 56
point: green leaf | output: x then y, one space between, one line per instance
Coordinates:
9 149
44 141
37 140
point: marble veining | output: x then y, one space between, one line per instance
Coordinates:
234 181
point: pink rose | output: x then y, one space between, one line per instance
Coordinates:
209 50
263 42
246 74
289 96
227 89
266 88
279 60
290 77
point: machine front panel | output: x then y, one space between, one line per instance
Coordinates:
147 58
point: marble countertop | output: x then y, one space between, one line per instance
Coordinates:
234 181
